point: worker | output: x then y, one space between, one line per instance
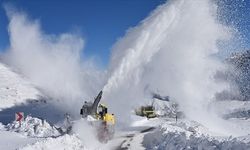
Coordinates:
103 110
84 111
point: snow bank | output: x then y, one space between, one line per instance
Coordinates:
176 140
191 135
33 127
68 142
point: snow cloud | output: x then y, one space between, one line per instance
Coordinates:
87 133
52 62
171 52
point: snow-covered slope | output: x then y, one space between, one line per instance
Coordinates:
14 89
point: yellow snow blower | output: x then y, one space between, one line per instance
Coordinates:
146 111
99 117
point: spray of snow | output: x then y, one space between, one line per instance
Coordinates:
52 62
86 133
172 50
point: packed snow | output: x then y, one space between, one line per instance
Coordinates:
69 142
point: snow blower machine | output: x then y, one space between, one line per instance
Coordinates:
146 111
149 111
97 114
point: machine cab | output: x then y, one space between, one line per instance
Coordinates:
102 110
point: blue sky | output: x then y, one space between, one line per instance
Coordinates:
102 22
236 13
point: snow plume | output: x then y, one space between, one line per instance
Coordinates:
172 51
52 62
86 133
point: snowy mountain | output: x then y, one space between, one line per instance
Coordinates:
15 89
